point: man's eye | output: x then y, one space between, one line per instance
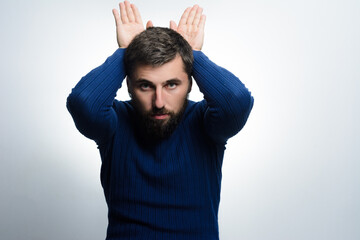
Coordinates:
144 86
172 85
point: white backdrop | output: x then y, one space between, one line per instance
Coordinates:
291 173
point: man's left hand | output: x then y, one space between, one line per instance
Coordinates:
191 26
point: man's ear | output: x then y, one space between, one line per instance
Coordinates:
128 83
190 84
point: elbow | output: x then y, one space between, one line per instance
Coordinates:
77 106
81 115
70 102
73 101
243 105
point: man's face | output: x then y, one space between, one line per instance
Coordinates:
159 94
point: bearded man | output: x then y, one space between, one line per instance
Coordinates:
161 153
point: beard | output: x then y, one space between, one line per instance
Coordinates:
158 129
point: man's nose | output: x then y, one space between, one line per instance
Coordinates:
159 101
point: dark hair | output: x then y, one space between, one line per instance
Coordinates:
156 46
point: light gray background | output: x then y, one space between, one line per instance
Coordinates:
291 173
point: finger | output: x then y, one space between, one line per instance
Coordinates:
117 17
173 25
129 11
202 22
192 14
149 24
184 16
197 16
136 14
123 14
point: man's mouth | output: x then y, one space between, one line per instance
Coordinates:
160 116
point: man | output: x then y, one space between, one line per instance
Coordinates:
161 153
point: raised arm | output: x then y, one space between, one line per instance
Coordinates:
228 102
91 100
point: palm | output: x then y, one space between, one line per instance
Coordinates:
194 35
128 23
126 32
191 26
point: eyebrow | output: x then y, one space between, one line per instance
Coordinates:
173 80
141 80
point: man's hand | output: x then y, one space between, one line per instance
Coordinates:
128 23
191 26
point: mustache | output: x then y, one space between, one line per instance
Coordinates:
159 111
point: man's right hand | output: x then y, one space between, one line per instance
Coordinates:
128 23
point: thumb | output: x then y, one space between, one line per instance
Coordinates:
173 25
149 24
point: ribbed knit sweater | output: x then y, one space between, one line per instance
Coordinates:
167 189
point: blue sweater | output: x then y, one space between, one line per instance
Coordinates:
169 189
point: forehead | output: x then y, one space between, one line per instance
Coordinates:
170 70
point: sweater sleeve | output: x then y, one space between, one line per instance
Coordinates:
90 102
228 101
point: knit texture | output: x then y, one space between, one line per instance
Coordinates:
168 189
